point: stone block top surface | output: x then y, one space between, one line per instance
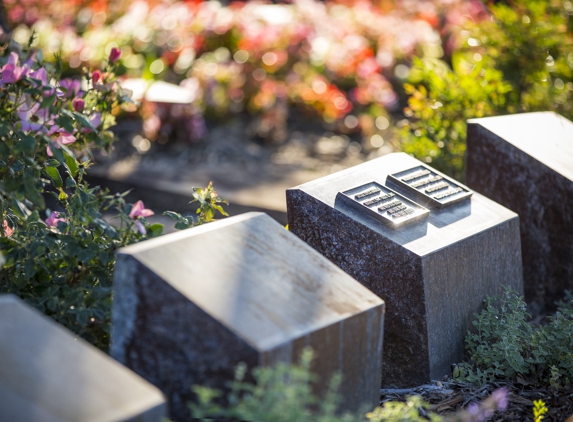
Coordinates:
49 375
546 136
443 226
256 278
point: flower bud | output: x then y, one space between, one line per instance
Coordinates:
96 76
78 104
114 55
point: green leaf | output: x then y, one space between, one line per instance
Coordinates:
220 209
33 195
174 215
86 255
5 128
4 149
26 145
48 101
19 208
182 225
83 120
156 229
70 182
54 176
72 164
29 268
52 303
66 122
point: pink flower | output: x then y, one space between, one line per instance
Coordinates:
138 211
500 398
60 137
11 72
40 75
78 104
96 76
114 54
7 230
95 120
70 87
54 219
33 118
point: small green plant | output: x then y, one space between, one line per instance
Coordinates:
506 345
283 393
539 410
413 409
208 200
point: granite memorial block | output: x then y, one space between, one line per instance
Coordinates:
525 162
48 374
432 273
190 306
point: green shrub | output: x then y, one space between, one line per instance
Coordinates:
519 60
440 105
62 261
506 345
283 393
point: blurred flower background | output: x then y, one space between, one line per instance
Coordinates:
339 67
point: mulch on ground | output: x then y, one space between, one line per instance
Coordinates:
446 397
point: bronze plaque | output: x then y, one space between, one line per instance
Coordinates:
383 204
428 187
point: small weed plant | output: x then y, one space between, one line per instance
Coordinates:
283 393
506 345
539 410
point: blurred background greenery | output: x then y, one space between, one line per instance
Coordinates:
375 76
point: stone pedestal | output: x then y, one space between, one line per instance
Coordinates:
433 274
190 306
49 375
525 162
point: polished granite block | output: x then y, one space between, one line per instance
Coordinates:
48 374
433 274
190 306
525 162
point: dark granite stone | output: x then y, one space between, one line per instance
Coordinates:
48 374
190 306
433 274
525 162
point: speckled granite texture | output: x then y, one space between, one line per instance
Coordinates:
525 162
433 275
190 306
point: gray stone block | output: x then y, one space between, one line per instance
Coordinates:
47 374
433 274
190 306
525 162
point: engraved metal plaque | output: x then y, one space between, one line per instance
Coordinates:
428 187
383 204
